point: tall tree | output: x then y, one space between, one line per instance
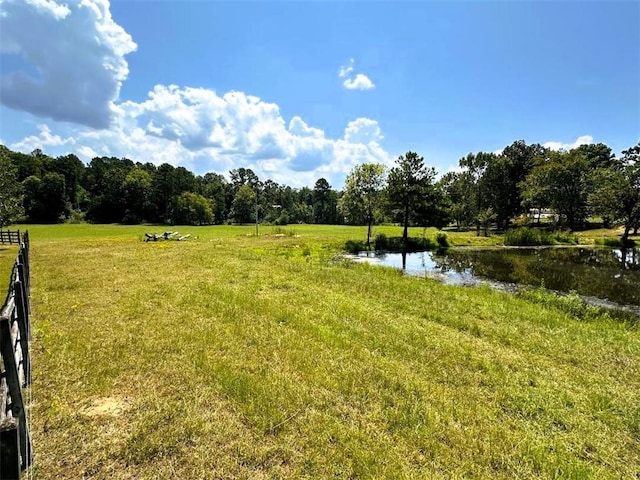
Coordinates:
10 190
243 176
244 205
563 180
408 186
136 191
216 188
325 202
458 187
104 179
72 168
598 155
503 177
363 191
618 191
45 199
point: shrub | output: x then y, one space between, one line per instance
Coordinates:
526 236
522 221
565 237
381 242
289 232
283 219
441 240
76 217
354 246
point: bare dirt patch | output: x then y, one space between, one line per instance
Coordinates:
105 406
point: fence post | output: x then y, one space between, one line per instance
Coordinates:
9 450
24 327
13 385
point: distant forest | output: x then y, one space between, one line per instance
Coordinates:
489 189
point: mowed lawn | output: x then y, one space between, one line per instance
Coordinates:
230 356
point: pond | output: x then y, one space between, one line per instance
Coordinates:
603 273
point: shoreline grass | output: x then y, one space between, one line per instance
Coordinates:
235 356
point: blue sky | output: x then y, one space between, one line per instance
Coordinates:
308 89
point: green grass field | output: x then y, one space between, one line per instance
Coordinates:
8 255
231 356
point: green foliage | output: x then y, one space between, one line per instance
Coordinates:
409 190
381 242
411 244
617 195
244 205
566 237
10 191
289 232
502 177
462 207
522 221
76 217
362 194
283 219
193 209
325 203
614 242
355 246
490 190
441 240
526 236
45 199
562 182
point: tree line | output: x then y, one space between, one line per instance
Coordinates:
489 189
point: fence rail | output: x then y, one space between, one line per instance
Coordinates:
15 367
11 237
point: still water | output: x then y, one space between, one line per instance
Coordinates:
608 274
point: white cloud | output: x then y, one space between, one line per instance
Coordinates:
204 131
298 127
363 130
583 140
346 70
72 59
74 54
44 140
358 82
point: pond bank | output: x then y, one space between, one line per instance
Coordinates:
604 277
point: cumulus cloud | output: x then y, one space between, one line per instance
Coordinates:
583 140
358 82
68 59
363 130
204 131
298 127
66 62
43 140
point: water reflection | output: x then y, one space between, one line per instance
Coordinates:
611 274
